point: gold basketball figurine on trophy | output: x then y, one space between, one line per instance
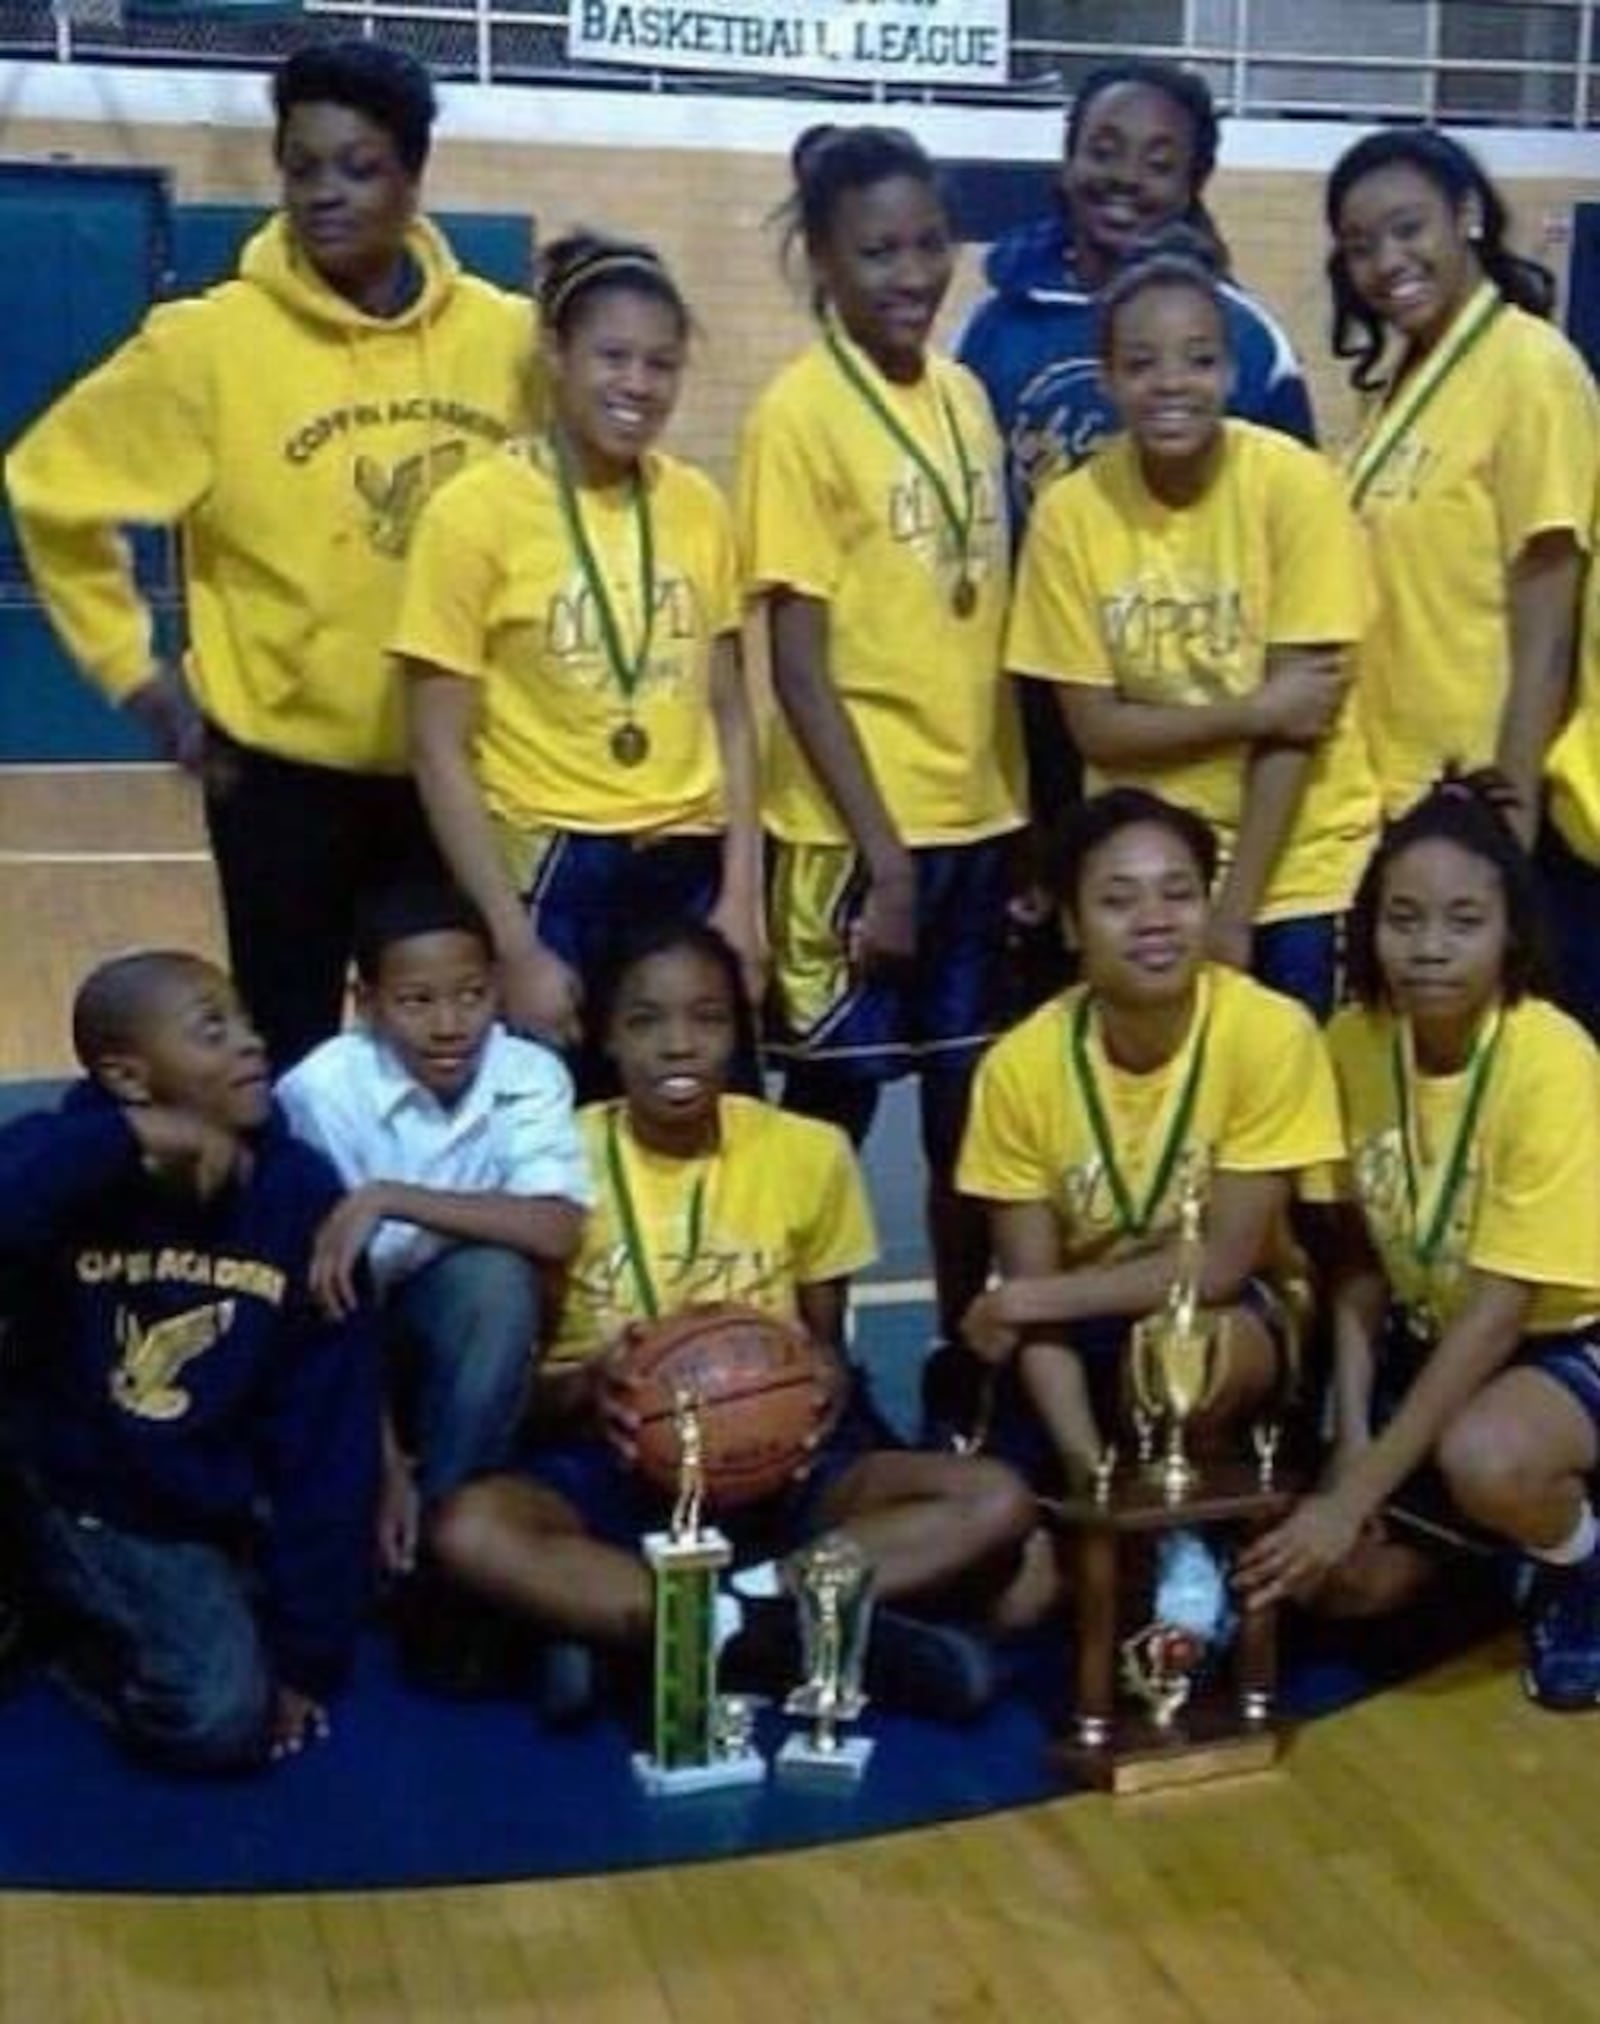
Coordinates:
1175 1357
698 1739
833 1593
685 1520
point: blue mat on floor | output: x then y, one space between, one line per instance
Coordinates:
412 1791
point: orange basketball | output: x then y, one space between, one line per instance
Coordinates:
764 1390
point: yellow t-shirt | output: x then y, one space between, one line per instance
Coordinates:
1175 606
780 1206
1506 448
494 592
1572 768
1529 1203
1264 1102
831 507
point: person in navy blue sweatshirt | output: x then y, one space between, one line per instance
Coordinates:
197 1445
1141 143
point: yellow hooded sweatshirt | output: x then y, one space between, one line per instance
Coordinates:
293 439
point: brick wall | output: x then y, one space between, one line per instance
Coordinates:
705 211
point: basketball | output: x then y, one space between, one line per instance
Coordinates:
764 1392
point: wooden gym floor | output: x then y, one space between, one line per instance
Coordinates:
1430 1854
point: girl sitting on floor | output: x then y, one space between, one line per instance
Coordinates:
705 1196
1466 1287
1158 1074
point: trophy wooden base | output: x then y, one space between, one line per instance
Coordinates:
1143 1758
799 1761
1230 1726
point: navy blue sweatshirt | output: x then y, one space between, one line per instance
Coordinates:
1034 341
172 1375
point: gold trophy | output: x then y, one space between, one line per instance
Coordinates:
1169 1703
700 1741
834 1595
1175 1357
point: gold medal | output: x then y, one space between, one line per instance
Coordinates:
630 744
964 598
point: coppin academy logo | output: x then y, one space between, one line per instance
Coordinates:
143 1382
394 495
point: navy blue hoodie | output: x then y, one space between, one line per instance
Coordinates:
172 1376
1034 342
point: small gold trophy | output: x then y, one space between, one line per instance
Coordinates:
1175 1357
834 1596
699 1741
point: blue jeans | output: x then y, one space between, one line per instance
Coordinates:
467 1336
158 1639
1302 959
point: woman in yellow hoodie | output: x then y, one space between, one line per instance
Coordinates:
290 423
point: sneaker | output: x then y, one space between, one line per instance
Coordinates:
913 1667
1561 1628
763 1655
450 1645
566 1682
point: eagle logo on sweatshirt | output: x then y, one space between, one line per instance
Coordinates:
395 495
142 1383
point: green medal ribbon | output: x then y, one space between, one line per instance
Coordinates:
1386 436
960 522
1428 1233
1135 1217
628 1218
628 672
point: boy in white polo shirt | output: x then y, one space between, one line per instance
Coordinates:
467 1179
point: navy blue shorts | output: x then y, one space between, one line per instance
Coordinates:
1303 959
1422 1506
617 1505
1572 892
592 891
946 1005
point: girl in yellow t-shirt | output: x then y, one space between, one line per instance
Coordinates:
870 501
1158 1080
1195 592
1475 471
706 1196
1466 1262
581 732
1569 844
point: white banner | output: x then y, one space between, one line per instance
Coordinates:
888 41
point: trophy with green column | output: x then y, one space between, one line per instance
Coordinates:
699 1741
